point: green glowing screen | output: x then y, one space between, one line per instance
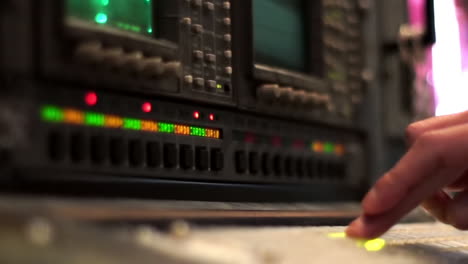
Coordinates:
129 15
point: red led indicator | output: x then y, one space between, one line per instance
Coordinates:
276 141
147 107
91 98
212 117
196 115
249 138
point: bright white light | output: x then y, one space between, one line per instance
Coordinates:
451 83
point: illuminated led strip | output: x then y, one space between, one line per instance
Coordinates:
328 148
55 114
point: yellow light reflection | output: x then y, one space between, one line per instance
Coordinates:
373 245
337 235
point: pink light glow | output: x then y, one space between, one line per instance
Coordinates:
450 81
417 13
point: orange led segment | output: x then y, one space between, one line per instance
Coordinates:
113 121
318 147
72 116
149 126
340 149
182 130
213 133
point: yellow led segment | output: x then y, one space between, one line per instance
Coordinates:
213 133
149 126
340 149
113 121
182 130
317 147
72 116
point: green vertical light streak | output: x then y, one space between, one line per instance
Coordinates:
52 113
131 124
166 128
197 131
329 148
94 119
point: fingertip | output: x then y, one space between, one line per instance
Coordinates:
355 229
366 227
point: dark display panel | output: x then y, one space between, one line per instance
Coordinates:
281 33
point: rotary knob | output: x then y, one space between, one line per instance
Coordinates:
134 61
268 92
89 52
173 69
152 67
113 58
286 95
299 98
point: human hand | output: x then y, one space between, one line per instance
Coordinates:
436 162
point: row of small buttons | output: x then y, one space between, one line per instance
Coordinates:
209 5
273 93
135 62
135 152
211 58
266 164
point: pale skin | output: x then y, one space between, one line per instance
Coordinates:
436 163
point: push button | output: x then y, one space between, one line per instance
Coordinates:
266 164
289 166
217 160
153 156
186 157
299 167
57 146
98 149
241 161
78 147
341 170
321 169
201 158
118 151
170 156
311 167
278 165
254 162
136 153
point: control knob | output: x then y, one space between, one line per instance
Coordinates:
269 92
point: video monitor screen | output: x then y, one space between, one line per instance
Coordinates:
281 34
129 15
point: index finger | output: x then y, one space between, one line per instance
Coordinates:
417 175
415 130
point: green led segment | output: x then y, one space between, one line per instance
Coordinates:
51 114
94 119
166 128
132 124
197 131
329 148
130 15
